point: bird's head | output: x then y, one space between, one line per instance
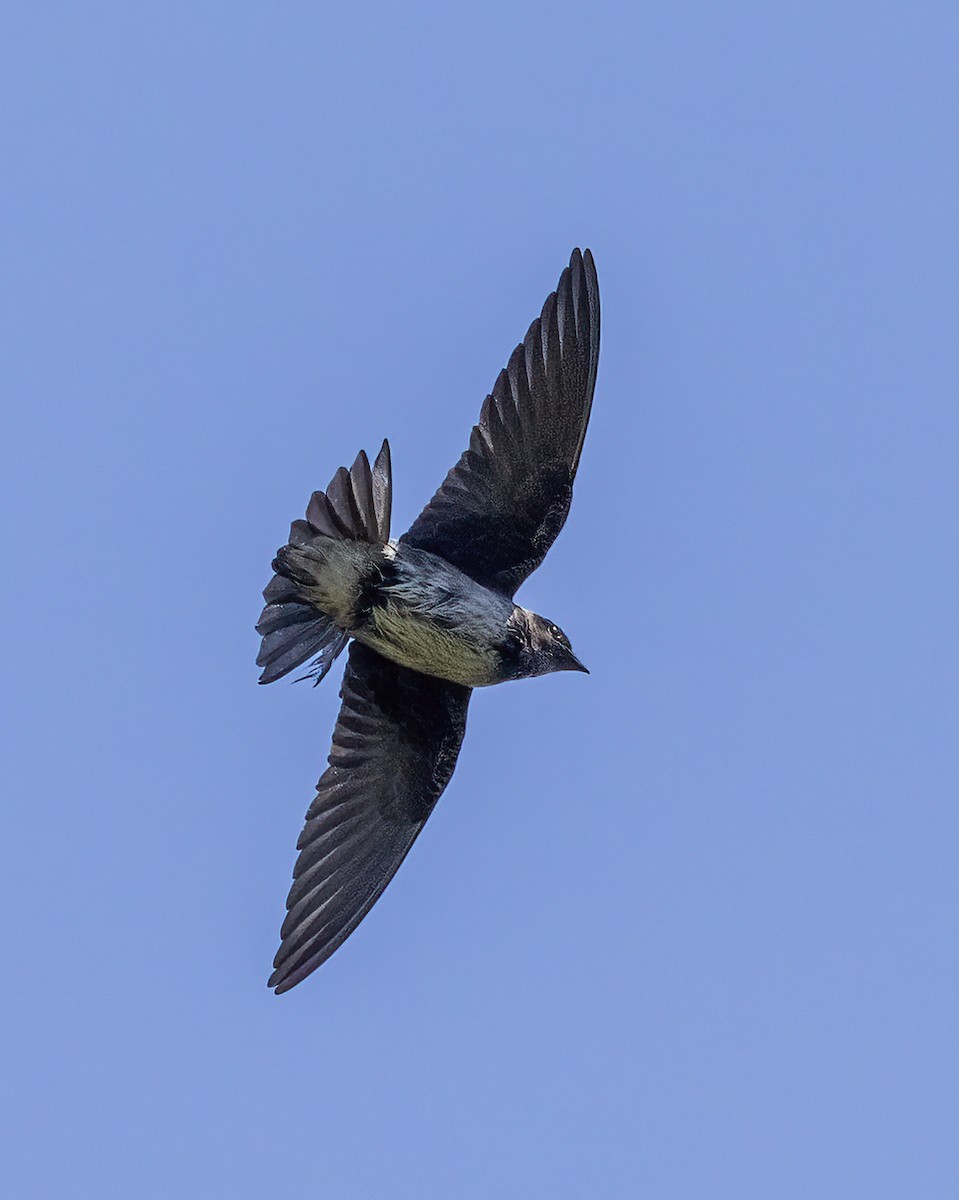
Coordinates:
540 646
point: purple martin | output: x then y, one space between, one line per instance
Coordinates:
431 616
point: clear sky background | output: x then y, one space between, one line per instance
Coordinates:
685 928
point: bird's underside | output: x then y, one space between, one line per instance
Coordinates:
487 528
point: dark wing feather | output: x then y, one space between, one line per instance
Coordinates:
500 508
394 749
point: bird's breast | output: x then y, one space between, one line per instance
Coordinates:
427 615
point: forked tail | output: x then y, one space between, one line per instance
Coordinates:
354 508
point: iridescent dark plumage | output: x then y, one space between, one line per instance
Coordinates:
432 616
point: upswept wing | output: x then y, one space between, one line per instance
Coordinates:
394 749
500 508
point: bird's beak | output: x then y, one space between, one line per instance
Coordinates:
576 665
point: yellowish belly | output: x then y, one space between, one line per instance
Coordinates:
427 647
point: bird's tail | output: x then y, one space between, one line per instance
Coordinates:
303 597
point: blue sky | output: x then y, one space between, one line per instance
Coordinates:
686 927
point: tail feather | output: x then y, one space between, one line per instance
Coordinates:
292 633
382 486
357 503
355 507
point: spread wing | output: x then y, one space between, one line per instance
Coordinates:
394 749
500 508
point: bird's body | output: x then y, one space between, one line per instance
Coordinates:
431 616
418 610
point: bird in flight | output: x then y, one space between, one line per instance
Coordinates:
431 616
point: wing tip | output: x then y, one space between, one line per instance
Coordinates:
302 961
279 986
582 266
282 978
583 269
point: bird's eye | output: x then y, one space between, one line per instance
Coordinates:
558 634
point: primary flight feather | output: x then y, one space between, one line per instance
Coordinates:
431 616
